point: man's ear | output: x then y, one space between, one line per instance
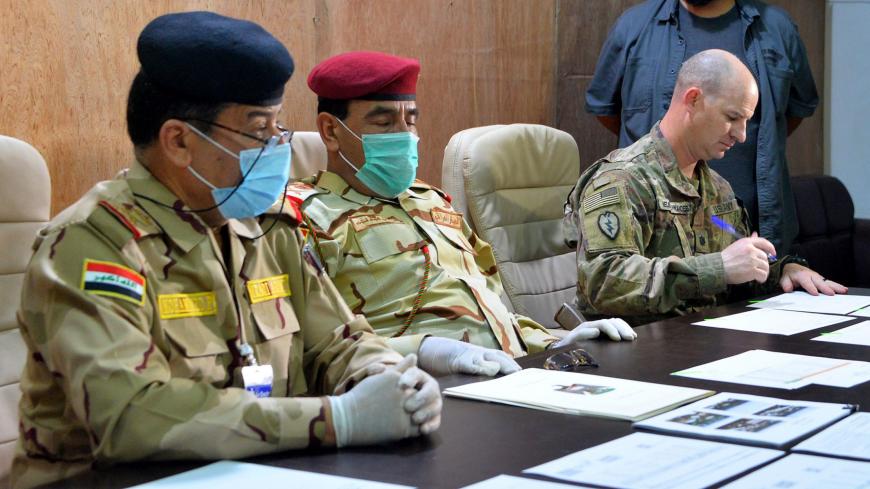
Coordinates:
326 126
693 98
174 141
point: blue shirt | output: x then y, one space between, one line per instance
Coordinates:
637 71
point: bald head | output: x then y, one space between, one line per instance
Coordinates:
713 71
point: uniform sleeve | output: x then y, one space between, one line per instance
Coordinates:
603 95
118 384
803 97
613 276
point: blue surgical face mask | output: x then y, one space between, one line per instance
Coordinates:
391 161
264 175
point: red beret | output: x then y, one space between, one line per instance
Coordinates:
365 75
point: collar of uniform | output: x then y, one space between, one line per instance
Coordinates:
668 10
668 162
335 184
183 227
246 228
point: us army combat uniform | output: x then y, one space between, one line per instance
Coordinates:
133 314
382 253
647 246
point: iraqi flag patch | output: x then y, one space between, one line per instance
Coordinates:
113 280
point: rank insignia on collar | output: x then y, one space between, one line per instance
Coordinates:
608 223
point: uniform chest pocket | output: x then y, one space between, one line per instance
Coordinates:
275 318
381 241
197 349
637 89
780 86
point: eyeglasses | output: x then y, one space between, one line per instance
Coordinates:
284 136
570 361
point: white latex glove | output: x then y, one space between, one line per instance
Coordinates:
399 402
443 356
616 329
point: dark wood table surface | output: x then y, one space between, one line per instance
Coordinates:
479 440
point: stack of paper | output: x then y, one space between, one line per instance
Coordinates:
807 472
782 370
774 321
575 393
647 461
511 482
857 334
828 304
848 438
752 419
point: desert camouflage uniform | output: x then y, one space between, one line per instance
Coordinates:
375 251
131 313
647 246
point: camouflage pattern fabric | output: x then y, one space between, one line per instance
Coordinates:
646 245
131 313
374 251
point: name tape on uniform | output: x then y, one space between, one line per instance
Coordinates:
269 288
447 218
361 223
174 306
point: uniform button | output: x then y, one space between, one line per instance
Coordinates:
672 72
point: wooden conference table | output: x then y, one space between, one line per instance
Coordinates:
479 440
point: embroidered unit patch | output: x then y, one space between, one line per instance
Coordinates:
608 223
113 280
361 223
446 218
187 305
269 288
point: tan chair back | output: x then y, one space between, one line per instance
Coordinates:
309 154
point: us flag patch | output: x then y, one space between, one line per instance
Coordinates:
113 280
606 197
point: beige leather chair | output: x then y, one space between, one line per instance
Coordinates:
26 190
511 182
309 154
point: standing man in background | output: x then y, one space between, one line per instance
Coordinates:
637 70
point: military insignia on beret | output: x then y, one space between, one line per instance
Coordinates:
608 223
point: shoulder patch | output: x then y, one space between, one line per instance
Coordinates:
113 280
609 196
132 217
608 223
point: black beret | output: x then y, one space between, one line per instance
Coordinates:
203 56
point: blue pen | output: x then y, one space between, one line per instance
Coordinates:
733 232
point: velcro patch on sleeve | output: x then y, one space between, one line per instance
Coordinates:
113 280
725 207
198 304
268 288
608 196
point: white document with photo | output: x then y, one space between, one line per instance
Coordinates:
807 472
511 482
228 474
848 438
857 334
774 321
648 461
781 370
827 304
576 393
758 420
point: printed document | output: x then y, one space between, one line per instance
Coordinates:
848 438
857 334
865 312
801 301
511 482
807 472
648 461
774 321
757 420
781 370
576 393
233 475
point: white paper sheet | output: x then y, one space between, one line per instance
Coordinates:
233 475
865 312
801 301
752 419
511 482
857 334
647 461
576 393
781 370
807 472
848 438
774 321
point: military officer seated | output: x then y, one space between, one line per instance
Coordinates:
395 247
645 216
163 322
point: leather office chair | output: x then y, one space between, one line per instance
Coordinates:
309 154
511 182
830 238
26 190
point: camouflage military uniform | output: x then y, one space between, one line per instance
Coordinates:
376 252
131 313
647 246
